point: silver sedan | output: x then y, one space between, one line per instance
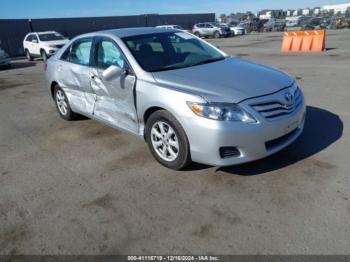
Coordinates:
187 99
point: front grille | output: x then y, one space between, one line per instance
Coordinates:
275 109
280 141
59 46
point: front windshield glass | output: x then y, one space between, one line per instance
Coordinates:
168 51
51 37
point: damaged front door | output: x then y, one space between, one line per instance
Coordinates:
115 101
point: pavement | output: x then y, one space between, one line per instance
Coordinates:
83 188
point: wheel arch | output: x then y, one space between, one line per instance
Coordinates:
150 111
52 88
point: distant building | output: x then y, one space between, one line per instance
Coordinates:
317 11
290 12
340 8
297 12
237 17
268 14
307 12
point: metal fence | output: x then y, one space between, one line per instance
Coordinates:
12 31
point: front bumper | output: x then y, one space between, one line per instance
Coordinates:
254 141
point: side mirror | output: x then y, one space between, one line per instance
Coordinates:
112 71
34 41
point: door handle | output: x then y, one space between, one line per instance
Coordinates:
95 77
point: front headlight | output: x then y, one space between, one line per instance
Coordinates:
221 112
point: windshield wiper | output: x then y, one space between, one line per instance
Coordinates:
172 67
211 60
166 68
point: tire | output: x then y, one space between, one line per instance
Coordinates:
233 34
62 101
29 57
172 140
43 55
216 34
197 34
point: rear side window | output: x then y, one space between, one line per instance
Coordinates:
29 38
78 52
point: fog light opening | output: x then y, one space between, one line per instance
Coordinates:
227 152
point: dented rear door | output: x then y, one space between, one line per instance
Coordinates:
75 76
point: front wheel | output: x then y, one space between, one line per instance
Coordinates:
216 34
28 56
197 34
43 55
167 140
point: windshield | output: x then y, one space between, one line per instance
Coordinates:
51 37
168 51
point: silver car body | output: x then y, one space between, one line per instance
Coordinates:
209 29
269 95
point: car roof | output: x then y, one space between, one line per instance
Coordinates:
44 32
134 31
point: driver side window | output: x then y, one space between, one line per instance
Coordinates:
107 53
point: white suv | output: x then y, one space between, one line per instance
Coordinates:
43 44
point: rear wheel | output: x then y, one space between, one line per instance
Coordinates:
167 140
28 56
62 105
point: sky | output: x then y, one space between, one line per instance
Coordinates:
79 8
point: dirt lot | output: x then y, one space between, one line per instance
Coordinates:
83 188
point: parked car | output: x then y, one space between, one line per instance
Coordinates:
172 27
189 100
215 30
313 23
5 60
236 29
293 21
275 25
339 23
43 44
254 25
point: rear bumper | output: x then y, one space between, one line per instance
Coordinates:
238 32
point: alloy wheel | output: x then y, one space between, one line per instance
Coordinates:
165 141
61 102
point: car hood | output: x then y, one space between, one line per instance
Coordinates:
58 42
231 80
